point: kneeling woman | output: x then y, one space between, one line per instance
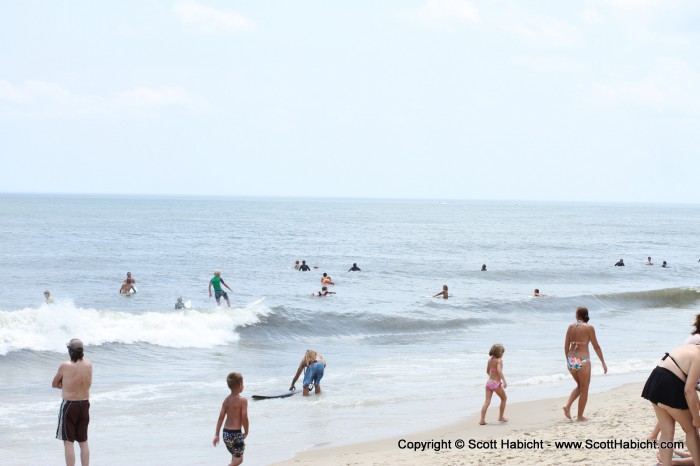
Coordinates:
313 366
671 390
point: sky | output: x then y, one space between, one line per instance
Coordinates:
436 99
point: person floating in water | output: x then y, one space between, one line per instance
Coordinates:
537 293
47 297
649 262
620 263
297 265
216 282
324 292
354 268
327 280
179 304
127 288
303 267
664 265
483 267
442 293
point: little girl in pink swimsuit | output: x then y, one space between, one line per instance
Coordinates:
496 383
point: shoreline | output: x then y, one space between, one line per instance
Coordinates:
619 415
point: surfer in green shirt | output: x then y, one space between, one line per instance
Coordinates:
216 282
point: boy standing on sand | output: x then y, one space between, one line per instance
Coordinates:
235 410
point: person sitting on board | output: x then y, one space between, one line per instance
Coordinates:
326 280
47 297
313 366
179 304
649 262
127 288
354 268
442 293
620 263
303 267
324 292
216 282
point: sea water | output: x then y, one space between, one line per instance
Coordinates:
399 361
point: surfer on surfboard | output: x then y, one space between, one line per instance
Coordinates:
324 292
442 293
326 280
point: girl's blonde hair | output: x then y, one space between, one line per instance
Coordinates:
310 356
497 350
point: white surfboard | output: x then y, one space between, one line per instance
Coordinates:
257 301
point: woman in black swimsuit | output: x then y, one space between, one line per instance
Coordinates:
671 390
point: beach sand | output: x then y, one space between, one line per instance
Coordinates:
616 415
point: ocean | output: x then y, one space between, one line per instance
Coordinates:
399 361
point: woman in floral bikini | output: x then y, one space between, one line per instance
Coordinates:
578 360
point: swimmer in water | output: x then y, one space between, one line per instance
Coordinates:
442 293
326 280
664 265
483 267
324 292
303 267
179 304
127 288
620 263
47 297
649 262
354 268
537 293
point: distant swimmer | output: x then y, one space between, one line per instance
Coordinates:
649 262
179 304
127 288
216 282
303 267
537 293
442 293
129 277
324 292
47 297
620 263
297 265
354 268
326 280
664 265
483 267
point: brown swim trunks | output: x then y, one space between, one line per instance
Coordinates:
73 420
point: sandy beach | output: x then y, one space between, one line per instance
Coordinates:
618 415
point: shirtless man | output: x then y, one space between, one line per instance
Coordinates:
74 378
442 293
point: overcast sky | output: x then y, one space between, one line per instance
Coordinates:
468 99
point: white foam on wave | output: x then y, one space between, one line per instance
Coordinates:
49 327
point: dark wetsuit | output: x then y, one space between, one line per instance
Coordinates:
304 268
